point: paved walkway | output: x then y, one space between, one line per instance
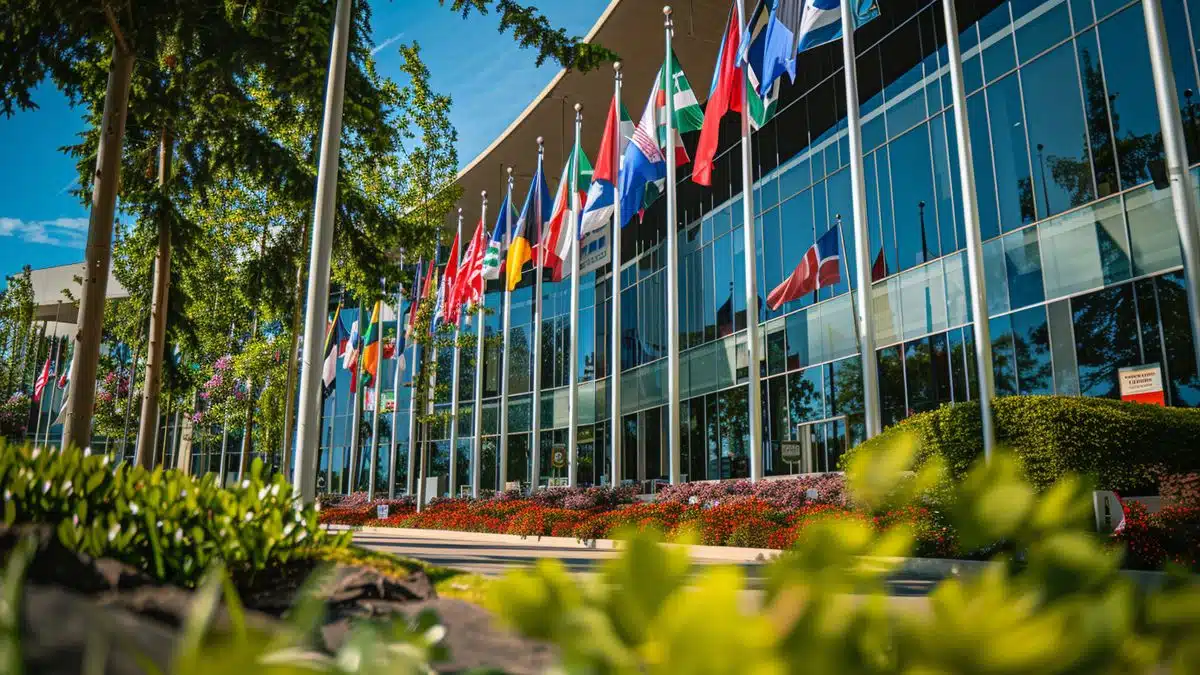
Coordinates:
494 558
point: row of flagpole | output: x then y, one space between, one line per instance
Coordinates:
796 25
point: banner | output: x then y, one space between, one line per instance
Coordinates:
1142 384
388 400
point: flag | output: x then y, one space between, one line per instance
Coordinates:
66 374
332 340
370 352
793 26
561 234
469 279
494 254
819 267
529 226
421 295
601 195
39 385
350 356
723 96
879 268
438 301
447 308
644 169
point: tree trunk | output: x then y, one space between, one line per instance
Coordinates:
77 423
289 409
156 345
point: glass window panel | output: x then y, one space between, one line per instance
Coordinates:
804 395
1131 92
1105 324
1011 154
1081 14
797 224
1153 234
999 56
1177 336
1047 25
1085 249
794 179
836 328
1031 343
1106 7
912 189
891 384
777 344
918 372
1062 348
885 300
723 286
1004 366
941 367
1147 307
957 307
739 278
840 209
1095 102
777 427
722 221
886 222
1023 259
1057 133
1183 64
981 157
945 176
712 417
697 450
923 292
995 271
844 390
735 431
710 296
773 252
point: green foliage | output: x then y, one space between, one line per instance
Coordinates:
1067 609
167 523
531 29
1120 445
16 333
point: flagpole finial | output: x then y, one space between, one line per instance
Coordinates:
667 16
540 141
483 194
617 66
578 107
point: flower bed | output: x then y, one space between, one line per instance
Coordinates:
1170 536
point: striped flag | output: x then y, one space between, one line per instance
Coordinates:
529 226
560 234
601 195
494 254
39 385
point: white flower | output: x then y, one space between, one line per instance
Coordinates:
45 487
113 531
245 484
275 490
178 535
36 452
300 537
87 452
7 496
67 487
262 493
183 493
133 508
249 516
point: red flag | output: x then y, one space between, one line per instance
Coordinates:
879 268
412 312
449 308
820 267
470 278
726 95
39 385
606 165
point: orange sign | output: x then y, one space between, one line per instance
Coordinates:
1142 384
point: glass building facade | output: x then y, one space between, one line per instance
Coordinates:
1081 255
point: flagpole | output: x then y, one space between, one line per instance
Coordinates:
1183 188
399 355
535 462
356 421
862 241
573 352
308 438
673 446
53 386
375 416
37 429
477 454
504 349
975 269
615 430
752 347
453 482
410 478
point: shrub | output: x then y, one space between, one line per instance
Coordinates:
785 493
1122 445
540 521
169 524
14 416
1152 540
1180 489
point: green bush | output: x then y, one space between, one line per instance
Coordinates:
1122 446
169 524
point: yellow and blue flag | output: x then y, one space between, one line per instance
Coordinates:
529 227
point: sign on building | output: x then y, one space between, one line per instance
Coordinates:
1142 384
388 400
791 451
558 455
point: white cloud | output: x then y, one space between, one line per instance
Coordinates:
65 232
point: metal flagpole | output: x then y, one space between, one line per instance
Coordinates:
37 428
308 438
673 446
757 449
453 481
1183 189
862 242
411 477
52 384
477 453
572 365
975 270
535 445
504 349
615 283
396 392
378 405
356 419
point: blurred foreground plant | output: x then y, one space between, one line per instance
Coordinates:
1063 608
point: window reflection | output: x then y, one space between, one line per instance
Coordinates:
1105 324
1031 345
1131 95
1057 132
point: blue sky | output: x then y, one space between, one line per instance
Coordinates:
490 78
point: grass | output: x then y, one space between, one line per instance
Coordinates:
447 581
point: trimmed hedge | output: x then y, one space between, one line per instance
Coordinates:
1122 445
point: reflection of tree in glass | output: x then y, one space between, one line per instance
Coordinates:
1033 360
1177 334
735 427
1105 338
1136 152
